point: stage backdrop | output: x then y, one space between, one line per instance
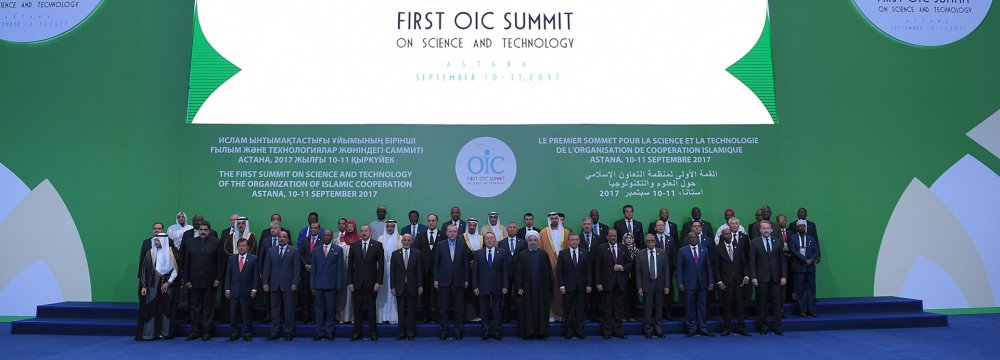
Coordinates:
880 118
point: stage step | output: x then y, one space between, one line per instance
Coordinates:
118 319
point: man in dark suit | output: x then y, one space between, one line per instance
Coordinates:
241 288
652 270
306 247
628 224
425 243
704 239
456 219
268 240
266 233
706 227
804 249
669 245
490 279
731 277
529 224
451 278
810 229
768 272
326 277
282 273
575 276
600 229
591 241
695 279
204 270
754 228
512 245
669 227
365 272
414 228
611 267
406 278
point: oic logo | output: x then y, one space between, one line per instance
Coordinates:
49 264
29 21
924 22
485 167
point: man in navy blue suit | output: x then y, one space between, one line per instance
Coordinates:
241 288
768 273
282 272
490 277
695 279
574 275
451 270
513 245
805 250
414 227
326 277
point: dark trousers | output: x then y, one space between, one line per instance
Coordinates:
282 312
307 299
595 312
614 306
668 300
406 310
239 308
325 301
695 307
652 320
732 299
428 299
631 299
454 297
202 310
805 291
575 312
364 303
489 312
769 298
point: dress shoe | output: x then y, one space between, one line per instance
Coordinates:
458 337
318 337
356 337
621 336
661 335
192 336
742 332
725 332
498 337
233 338
206 337
272 337
690 334
704 332
373 337
606 337
811 314
443 337
401 337
581 337
331 337
779 332
288 338
485 337
567 337
247 338
763 332
411 338
802 314
649 336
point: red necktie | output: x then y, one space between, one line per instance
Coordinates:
784 238
326 250
312 244
241 264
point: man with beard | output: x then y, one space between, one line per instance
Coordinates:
456 219
204 269
157 305
529 225
611 267
533 282
378 225
768 273
406 284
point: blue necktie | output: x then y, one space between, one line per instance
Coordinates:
489 258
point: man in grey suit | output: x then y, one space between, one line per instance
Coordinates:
241 288
326 277
282 272
652 274
768 272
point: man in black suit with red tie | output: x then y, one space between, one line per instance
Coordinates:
768 272
611 269
365 272
628 224
425 242
731 276
406 283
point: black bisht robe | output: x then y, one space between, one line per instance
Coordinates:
534 276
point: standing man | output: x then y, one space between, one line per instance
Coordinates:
241 288
804 250
600 229
385 302
425 243
341 229
755 226
512 245
611 268
590 241
731 276
533 282
267 231
706 226
728 214
157 302
326 277
282 273
553 239
176 231
306 248
652 270
670 227
669 245
268 241
365 273
695 279
529 225
768 273
628 224
489 283
456 219
575 276
378 225
406 283
493 225
204 269
414 228
451 274
312 218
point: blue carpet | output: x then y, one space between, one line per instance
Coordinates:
966 337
